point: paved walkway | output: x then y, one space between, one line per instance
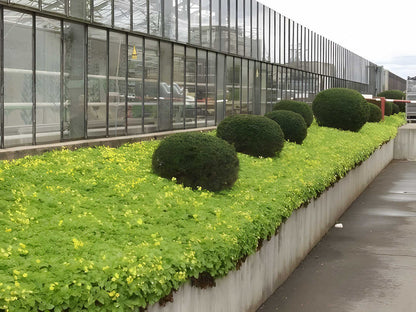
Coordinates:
369 265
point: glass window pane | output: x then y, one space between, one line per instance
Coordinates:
122 13
247 28
74 99
215 29
229 86
140 15
237 86
31 3
183 20
102 12
272 36
97 82
57 6
251 82
263 88
190 90
211 96
201 91
220 107
233 27
117 84
240 27
194 14
151 85
205 23
244 87
170 19
165 87
48 80
155 18
254 40
178 87
224 26
18 78
135 85
267 34
261 40
79 9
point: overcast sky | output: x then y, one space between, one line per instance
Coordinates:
384 32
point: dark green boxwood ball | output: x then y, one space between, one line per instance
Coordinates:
393 94
298 107
197 159
375 113
340 108
251 134
396 108
388 109
292 124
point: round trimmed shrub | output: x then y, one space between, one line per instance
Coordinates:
251 134
393 94
340 108
292 124
388 108
298 107
396 108
374 113
197 159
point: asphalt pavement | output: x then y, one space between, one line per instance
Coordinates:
368 265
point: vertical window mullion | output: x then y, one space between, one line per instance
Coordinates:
33 80
1 78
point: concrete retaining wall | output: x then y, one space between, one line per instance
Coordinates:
262 272
405 142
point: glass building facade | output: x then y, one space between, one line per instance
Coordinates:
78 69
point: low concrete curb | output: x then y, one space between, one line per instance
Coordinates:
21 151
264 271
405 142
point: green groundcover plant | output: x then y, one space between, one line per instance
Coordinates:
95 229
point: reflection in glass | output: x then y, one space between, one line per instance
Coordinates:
263 88
31 3
190 89
48 82
254 42
201 89
233 27
79 9
247 28
57 6
260 23
195 32
251 82
151 85
117 84
237 86
229 85
122 13
170 19
155 17
244 86
74 93
183 20
272 36
97 82
140 15
178 87
135 85
211 96
18 77
102 12
266 34
224 24
205 23
240 27
165 87
220 107
215 29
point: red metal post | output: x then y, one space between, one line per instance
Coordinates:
383 105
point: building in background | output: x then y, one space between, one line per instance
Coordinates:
74 69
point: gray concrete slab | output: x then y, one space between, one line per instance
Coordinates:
369 264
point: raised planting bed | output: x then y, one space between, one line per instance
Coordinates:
95 229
